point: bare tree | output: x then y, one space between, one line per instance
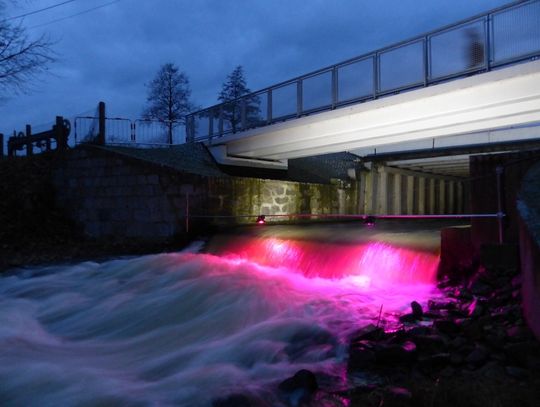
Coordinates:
22 58
169 97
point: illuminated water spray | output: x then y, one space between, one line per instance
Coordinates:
368 262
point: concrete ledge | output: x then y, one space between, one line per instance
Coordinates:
529 210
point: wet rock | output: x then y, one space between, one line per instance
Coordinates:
369 332
417 310
361 357
447 326
300 388
396 396
448 371
518 333
517 372
234 400
473 329
523 353
477 356
408 319
456 359
395 354
480 288
434 362
438 305
492 370
429 343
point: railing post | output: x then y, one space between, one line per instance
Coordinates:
299 107
61 142
269 107
243 113
427 59
1 146
29 146
376 75
334 87
101 118
487 38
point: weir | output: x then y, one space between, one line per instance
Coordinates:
241 317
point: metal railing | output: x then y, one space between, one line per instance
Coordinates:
503 36
127 132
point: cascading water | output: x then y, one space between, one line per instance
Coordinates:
187 328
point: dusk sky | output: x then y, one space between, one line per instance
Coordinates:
110 53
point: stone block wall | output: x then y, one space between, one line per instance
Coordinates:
112 196
119 197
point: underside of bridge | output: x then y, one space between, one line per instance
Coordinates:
485 111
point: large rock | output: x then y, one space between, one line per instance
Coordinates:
299 389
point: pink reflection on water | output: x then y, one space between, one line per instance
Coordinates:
365 263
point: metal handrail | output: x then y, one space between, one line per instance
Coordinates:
488 44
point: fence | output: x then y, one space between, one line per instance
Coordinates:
121 131
501 37
27 142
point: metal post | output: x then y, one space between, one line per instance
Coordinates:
375 75
335 95
29 146
427 59
269 107
499 172
1 145
101 135
299 101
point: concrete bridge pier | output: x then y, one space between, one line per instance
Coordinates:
386 190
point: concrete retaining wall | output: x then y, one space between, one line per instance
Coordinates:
113 195
529 234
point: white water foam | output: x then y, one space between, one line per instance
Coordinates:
176 329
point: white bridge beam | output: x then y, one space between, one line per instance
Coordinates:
497 99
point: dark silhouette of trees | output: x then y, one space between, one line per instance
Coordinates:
232 90
21 58
168 97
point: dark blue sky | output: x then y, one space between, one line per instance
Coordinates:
109 54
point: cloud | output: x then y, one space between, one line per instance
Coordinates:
111 53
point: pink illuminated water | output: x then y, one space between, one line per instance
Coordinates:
185 328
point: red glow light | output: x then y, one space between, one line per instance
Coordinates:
366 263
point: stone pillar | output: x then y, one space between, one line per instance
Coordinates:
431 197
397 194
459 200
451 197
410 194
382 191
442 196
421 196
368 192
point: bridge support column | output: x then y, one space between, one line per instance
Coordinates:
366 180
431 197
451 195
421 195
442 197
410 194
460 202
397 194
382 191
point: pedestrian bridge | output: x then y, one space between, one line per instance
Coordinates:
481 75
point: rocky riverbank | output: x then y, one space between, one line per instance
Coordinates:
469 348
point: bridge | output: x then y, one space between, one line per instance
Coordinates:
467 88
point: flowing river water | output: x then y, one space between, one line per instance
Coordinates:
238 315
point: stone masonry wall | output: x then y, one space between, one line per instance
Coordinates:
118 197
